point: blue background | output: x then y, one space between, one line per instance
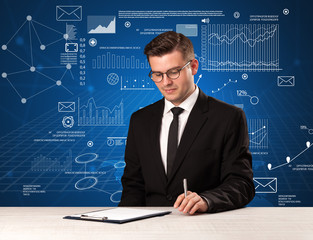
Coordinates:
89 175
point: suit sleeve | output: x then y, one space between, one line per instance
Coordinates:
133 193
236 188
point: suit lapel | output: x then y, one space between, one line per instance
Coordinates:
194 124
156 120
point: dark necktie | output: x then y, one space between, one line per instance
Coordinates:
173 139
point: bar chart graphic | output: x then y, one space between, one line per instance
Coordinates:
240 47
93 115
48 164
114 61
71 32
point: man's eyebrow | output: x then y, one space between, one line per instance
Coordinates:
167 69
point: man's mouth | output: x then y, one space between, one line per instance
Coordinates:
171 90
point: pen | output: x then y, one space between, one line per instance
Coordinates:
84 216
185 187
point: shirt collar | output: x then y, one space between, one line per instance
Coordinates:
186 105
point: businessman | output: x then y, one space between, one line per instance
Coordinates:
187 134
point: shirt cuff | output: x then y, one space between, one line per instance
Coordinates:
207 201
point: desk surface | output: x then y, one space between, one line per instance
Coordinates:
247 223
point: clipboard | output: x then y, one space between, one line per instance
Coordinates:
118 215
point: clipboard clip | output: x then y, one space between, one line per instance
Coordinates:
86 217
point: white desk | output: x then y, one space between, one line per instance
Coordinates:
248 223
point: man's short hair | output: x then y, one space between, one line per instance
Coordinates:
168 42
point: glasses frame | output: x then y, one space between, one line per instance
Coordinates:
179 70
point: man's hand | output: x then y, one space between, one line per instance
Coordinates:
191 204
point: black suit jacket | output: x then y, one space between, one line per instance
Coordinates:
213 155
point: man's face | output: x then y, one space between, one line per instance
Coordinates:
177 90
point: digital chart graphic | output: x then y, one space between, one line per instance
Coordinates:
31 66
101 24
258 133
72 74
233 47
93 115
289 159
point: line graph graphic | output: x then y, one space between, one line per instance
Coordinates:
243 47
46 164
101 24
258 133
289 159
225 85
31 26
93 115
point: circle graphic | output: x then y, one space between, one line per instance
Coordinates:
86 158
113 78
90 143
120 164
68 122
86 183
116 197
127 24
110 142
244 76
286 11
93 42
254 100
236 14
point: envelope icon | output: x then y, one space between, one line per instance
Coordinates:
71 47
286 81
265 184
66 106
69 13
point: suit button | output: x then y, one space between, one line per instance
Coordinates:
169 197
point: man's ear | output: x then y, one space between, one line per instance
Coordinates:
194 66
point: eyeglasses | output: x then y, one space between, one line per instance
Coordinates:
171 74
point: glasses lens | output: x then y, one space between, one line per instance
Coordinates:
173 74
157 77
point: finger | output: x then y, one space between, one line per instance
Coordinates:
178 201
195 207
180 198
192 203
186 200
200 206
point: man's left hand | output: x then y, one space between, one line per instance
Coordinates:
191 204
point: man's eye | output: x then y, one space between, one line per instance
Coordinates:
157 74
172 72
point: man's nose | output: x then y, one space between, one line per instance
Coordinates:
166 80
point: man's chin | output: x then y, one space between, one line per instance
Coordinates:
171 99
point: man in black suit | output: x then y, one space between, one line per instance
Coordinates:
187 134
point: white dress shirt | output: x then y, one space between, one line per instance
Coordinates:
187 105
